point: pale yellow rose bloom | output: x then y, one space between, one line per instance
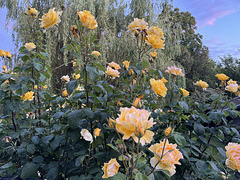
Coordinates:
87 19
110 168
50 19
158 87
155 37
231 82
30 46
174 71
134 123
222 77
114 65
233 156
138 24
232 88
126 64
112 72
202 84
86 135
96 132
65 79
184 92
171 157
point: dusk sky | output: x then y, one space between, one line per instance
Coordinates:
217 21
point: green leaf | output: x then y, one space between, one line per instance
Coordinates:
140 176
29 170
202 166
79 160
89 113
75 118
37 66
71 85
113 147
92 72
31 148
52 173
199 129
118 176
183 105
57 115
232 105
42 78
180 140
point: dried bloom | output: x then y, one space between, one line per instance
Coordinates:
184 92
65 93
30 46
32 12
2 53
96 53
86 135
126 64
222 77
233 156
134 123
114 65
87 19
159 87
170 157
74 30
138 25
96 132
153 54
28 96
65 79
174 71
110 168
50 19
231 82
168 131
112 72
202 84
232 88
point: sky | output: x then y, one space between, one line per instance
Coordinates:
217 21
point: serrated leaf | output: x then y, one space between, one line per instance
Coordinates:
29 170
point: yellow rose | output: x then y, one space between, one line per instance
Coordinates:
2 53
131 71
30 46
155 37
126 64
232 88
28 96
74 64
184 92
171 156
111 122
112 72
202 84
153 54
65 79
110 168
87 19
138 24
159 87
35 86
45 87
96 132
76 76
168 131
50 19
32 12
154 30
65 93
174 71
8 54
114 65
231 82
222 77
134 123
233 156
96 53
86 135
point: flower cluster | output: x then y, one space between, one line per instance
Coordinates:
87 19
166 155
134 123
233 156
4 53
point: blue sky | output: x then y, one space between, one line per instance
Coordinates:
217 21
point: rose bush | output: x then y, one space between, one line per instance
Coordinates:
107 121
